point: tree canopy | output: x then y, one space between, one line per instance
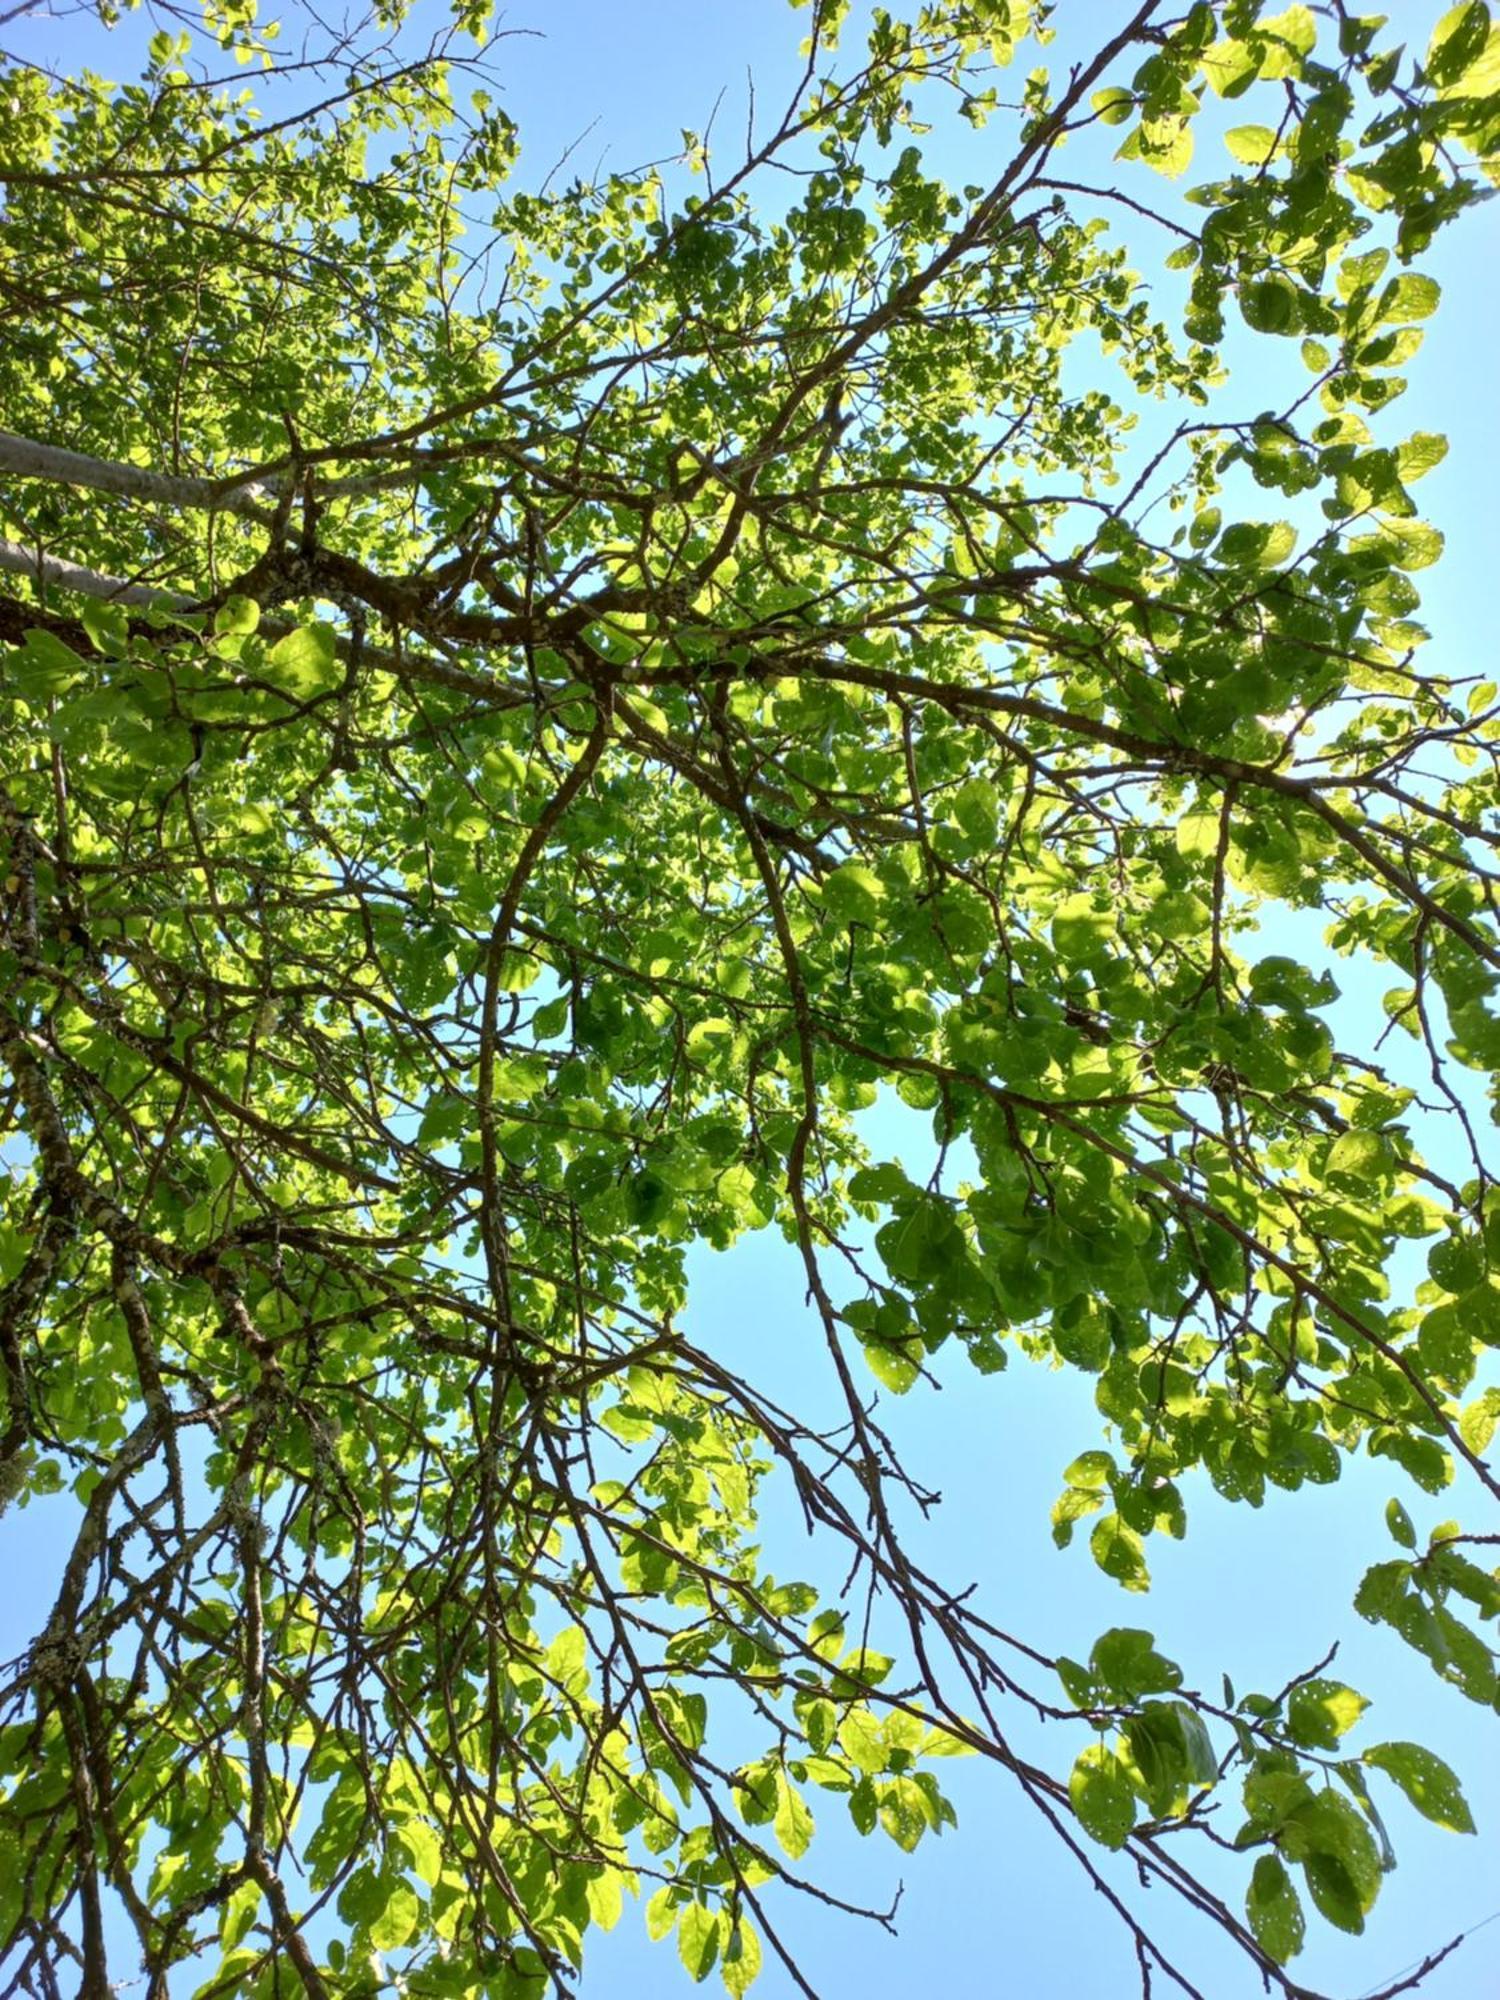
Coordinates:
526 707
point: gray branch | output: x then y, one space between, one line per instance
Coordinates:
25 458
43 569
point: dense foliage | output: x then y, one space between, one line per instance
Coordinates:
523 709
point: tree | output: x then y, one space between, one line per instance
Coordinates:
524 712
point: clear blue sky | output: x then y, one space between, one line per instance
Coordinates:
996 1907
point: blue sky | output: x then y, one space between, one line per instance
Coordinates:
996 1907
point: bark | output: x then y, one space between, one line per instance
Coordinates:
25 458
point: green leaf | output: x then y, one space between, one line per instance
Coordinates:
567 1658
793 1824
1334 1892
397 1918
661 1913
853 894
1479 1419
891 1365
1413 544
239 1914
1257 545
1199 1761
905 1812
425 1846
1399 1522
1274 1911
862 1740
1117 1550
1092 1469
1230 66
305 664
1103 1796
606 1900
740 1965
1421 452
1411 296
1339 1858
44 666
1080 929
1458 40
1426 1780
1358 1160
1321 1712
1254 144
1291 35
864 1806
820 1721
1127 1664
238 616
108 625
255 821
698 1939
1271 304
1169 1750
